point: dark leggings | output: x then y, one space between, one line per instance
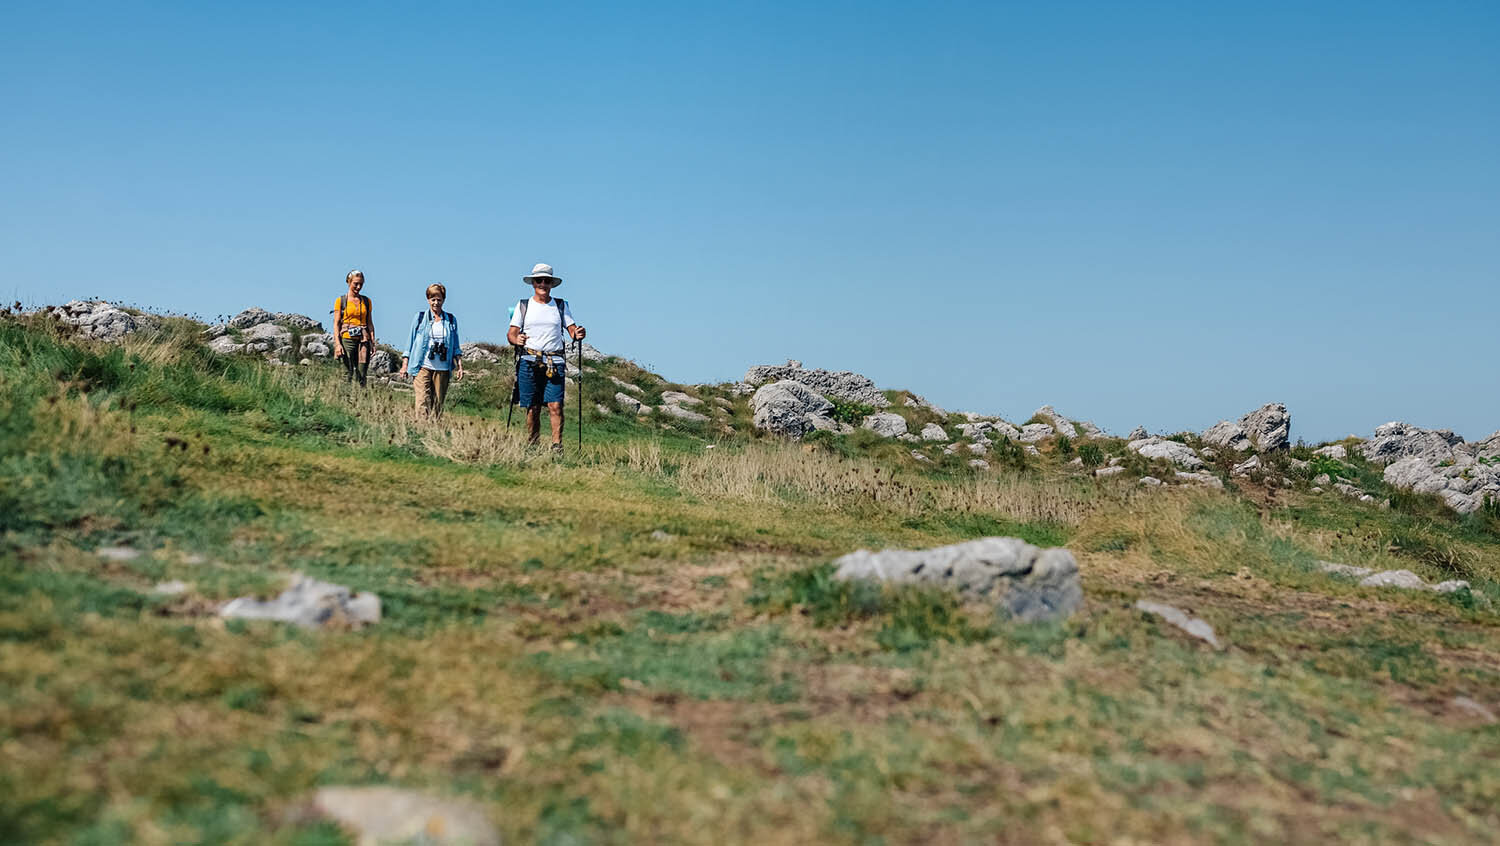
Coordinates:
352 364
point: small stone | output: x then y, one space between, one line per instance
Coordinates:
308 603
979 464
395 815
1395 578
660 535
886 424
934 432
631 404
1151 481
920 457
117 553
1208 480
1332 451
1104 472
1473 708
1344 569
1192 625
171 588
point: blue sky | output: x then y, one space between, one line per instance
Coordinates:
1155 213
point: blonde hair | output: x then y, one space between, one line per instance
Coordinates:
436 288
349 277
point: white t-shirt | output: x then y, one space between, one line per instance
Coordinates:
541 329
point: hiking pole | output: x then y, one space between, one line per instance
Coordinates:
515 386
579 343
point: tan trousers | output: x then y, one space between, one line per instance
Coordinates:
431 388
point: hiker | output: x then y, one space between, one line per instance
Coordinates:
354 329
539 329
432 353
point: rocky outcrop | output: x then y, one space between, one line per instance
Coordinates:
934 432
1026 583
1332 451
101 320
1265 429
1437 461
887 424
1179 454
790 408
256 316
1033 432
1064 426
840 384
1404 579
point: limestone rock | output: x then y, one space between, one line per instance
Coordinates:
1139 433
1103 472
681 413
979 464
1033 432
1246 467
1344 569
101 320
934 432
224 345
886 424
788 408
919 402
1265 429
251 317
829 383
1151 482
1179 454
1027 583
624 385
1205 479
1060 424
679 398
1332 451
1397 440
383 363
380 815
631 404
473 353
920 457
308 603
1192 625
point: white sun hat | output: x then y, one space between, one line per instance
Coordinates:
542 271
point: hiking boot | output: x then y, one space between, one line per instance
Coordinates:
557 450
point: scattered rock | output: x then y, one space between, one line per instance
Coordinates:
1344 569
1246 467
886 424
1473 708
1332 451
1402 440
117 553
979 464
473 353
979 449
170 588
1151 481
1178 453
1394 578
919 456
1204 478
383 363
679 398
1114 470
829 383
602 408
1060 424
789 408
379 815
1027 582
918 402
624 385
100 320
1264 429
1033 432
309 603
1323 479
724 403
631 404
1192 625
258 316
934 432
660 535
1139 433
681 413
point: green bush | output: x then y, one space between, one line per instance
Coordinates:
1091 454
853 413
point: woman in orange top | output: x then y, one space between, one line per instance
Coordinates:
354 329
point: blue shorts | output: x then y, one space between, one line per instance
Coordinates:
536 388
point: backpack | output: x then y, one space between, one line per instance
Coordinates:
562 322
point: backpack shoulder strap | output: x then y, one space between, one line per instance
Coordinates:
562 320
338 307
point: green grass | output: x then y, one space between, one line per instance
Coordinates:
544 654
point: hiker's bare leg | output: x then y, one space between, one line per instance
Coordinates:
555 409
533 424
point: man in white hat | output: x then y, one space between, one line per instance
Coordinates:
541 326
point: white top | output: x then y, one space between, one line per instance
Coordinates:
541 328
439 329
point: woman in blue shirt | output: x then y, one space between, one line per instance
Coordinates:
433 354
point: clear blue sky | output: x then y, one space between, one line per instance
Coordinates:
1157 213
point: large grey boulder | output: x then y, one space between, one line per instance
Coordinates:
841 384
982 431
380 814
934 432
1265 429
256 316
383 363
1179 454
789 408
677 411
1397 440
224 345
887 424
1062 425
309 603
1026 582
1332 451
101 320
1033 432
1139 433
921 402
631 404
474 353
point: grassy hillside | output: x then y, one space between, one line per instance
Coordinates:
641 642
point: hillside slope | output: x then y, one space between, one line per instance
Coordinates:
641 642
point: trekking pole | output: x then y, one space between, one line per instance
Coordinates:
515 386
579 342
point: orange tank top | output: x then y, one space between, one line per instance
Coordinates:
355 312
